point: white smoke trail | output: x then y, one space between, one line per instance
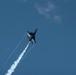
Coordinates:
14 50
27 52
13 67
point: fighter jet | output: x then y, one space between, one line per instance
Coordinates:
31 36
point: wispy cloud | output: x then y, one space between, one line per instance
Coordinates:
49 11
57 18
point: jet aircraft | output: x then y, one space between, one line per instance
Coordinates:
31 36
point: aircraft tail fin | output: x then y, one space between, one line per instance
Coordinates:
36 30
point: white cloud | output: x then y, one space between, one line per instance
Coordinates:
42 10
57 18
49 11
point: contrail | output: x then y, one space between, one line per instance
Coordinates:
14 50
13 67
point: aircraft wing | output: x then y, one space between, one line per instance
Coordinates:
28 35
33 40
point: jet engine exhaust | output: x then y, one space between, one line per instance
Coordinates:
27 52
14 65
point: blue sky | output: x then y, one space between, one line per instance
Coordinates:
55 50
